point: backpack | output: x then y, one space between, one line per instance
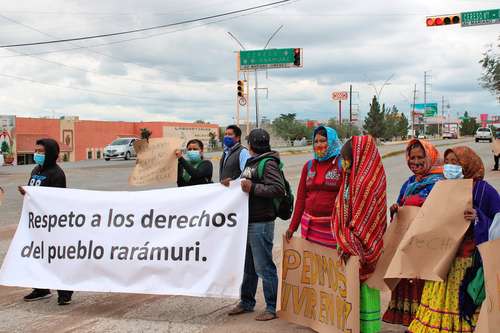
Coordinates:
282 206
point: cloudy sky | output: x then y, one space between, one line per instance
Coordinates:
189 72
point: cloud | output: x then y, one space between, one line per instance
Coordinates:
191 74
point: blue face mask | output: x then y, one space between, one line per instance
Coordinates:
39 159
229 141
193 155
452 171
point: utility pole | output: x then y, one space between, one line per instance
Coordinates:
350 110
442 115
413 111
256 101
425 97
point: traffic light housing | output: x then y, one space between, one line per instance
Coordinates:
433 21
297 57
240 88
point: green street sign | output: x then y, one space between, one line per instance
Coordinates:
273 58
481 17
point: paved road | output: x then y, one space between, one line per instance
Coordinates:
103 312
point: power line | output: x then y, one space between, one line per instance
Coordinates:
144 37
146 29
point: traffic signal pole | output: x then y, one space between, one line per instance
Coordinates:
256 101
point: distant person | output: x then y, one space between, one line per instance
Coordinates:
47 173
262 189
318 187
360 219
235 156
496 156
193 170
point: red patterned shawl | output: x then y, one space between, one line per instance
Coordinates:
360 216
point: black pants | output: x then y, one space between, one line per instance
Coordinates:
497 158
68 293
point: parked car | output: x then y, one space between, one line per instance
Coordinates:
120 148
422 136
484 133
450 135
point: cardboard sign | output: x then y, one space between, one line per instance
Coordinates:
431 242
156 161
489 317
317 289
392 238
495 145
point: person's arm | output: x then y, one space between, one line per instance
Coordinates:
204 170
244 156
273 185
180 169
300 202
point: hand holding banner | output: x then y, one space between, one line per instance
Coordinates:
495 145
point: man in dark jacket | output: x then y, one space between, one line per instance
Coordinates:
259 253
47 173
234 157
496 155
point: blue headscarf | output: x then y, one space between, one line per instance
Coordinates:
333 143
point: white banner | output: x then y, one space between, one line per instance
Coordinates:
179 241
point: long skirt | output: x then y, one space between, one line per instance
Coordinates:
370 310
318 230
438 311
404 303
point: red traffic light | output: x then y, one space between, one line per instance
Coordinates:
240 88
297 57
442 20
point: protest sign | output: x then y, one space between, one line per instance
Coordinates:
489 317
156 161
433 238
392 238
177 241
317 289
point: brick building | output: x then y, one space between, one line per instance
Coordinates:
86 139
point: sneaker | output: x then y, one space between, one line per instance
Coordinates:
238 309
36 295
64 300
265 316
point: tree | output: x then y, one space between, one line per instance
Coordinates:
212 142
289 128
5 147
145 134
391 119
402 127
490 78
469 125
199 121
343 130
374 121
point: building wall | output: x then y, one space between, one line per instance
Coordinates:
84 139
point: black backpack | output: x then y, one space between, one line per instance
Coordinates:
282 206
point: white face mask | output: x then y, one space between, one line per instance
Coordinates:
452 171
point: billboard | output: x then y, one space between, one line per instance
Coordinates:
428 109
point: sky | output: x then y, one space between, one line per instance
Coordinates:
188 72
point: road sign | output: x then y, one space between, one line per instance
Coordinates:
340 95
481 17
272 58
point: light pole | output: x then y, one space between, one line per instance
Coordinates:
378 92
256 88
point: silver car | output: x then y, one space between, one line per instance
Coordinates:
120 148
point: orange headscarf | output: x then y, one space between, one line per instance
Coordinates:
472 165
433 160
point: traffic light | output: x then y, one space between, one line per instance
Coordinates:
296 57
433 21
241 88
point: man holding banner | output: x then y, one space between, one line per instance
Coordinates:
47 173
263 188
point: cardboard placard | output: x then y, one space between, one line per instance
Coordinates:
430 244
392 238
317 289
156 161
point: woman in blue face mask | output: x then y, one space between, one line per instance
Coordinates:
449 304
193 169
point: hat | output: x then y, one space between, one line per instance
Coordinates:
259 139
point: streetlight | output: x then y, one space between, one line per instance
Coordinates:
378 92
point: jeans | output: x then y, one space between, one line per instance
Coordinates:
259 263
